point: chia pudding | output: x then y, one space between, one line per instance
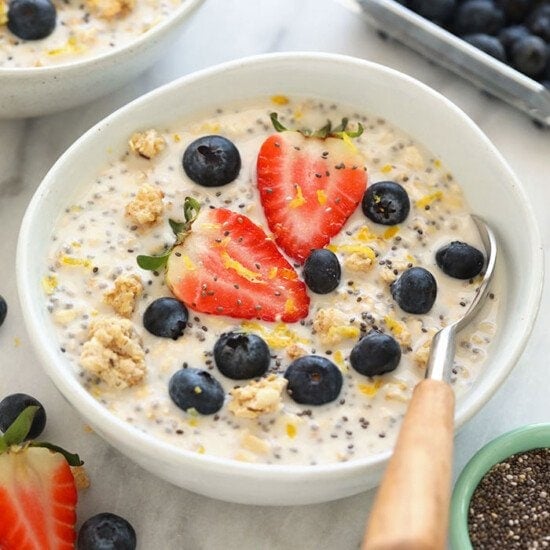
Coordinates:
97 294
78 30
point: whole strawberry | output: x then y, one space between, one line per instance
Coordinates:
310 183
37 491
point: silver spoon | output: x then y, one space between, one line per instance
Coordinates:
411 508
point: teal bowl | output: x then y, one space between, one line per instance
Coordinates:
520 440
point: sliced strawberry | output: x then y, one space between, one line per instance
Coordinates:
226 265
37 492
309 186
37 500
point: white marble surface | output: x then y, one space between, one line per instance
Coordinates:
170 518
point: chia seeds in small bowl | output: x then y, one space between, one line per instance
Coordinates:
502 497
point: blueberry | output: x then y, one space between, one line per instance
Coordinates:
539 21
376 353
322 271
439 11
515 10
166 317
31 19
415 290
106 532
3 310
386 202
528 55
313 380
478 16
460 260
196 389
212 161
487 44
509 35
13 405
240 356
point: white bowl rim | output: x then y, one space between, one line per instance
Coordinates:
152 447
185 9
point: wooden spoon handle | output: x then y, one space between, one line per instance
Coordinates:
412 505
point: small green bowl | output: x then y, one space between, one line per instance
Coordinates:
520 440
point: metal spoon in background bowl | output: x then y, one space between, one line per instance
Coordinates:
412 505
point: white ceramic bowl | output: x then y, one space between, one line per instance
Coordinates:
491 188
36 91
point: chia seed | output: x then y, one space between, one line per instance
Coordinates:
510 507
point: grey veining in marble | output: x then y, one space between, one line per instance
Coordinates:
169 518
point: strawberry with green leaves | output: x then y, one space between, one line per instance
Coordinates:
310 183
37 491
224 264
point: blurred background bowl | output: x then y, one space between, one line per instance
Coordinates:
36 91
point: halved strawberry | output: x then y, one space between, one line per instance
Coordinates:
310 184
226 265
37 492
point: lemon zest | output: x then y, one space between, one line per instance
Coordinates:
321 196
371 389
348 141
395 326
428 199
49 284
386 169
291 430
279 337
366 251
391 232
280 100
188 263
71 47
365 234
343 331
339 360
290 306
211 127
3 12
76 262
299 199
240 269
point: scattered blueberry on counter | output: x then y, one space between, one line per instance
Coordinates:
460 260
31 19
376 353
516 32
415 290
313 380
241 356
106 531
212 161
3 310
322 271
13 405
166 317
196 389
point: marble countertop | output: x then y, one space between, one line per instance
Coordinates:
170 518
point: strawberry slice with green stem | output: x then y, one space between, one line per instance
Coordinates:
224 264
37 491
310 183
